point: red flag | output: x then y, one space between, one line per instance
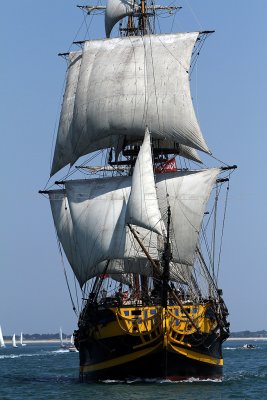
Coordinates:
104 276
167 166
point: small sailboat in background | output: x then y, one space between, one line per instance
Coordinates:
2 342
62 344
21 340
14 344
72 347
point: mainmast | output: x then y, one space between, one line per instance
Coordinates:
142 19
166 263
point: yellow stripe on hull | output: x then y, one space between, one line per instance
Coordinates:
119 360
197 356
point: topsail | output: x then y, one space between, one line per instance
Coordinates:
115 11
124 85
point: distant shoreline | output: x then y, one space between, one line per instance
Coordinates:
57 341
247 338
31 341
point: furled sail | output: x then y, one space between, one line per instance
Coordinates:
143 208
187 194
115 11
126 84
176 148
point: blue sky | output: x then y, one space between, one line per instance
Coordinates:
229 90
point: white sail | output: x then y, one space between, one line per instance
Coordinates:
21 340
91 224
14 344
178 149
88 248
72 340
63 148
62 344
143 208
98 210
64 227
116 10
126 84
187 194
2 342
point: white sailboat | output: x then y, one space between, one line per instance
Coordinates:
72 347
14 344
62 344
2 342
21 340
72 340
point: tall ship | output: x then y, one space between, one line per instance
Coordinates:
141 226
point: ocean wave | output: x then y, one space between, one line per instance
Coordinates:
160 381
243 375
40 354
242 348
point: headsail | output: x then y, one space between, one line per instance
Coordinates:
124 86
143 208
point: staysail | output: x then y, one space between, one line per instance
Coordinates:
124 86
143 208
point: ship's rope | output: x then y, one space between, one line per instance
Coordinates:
204 234
214 230
61 95
196 52
223 226
194 15
66 277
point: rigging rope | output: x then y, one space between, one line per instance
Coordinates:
66 277
224 217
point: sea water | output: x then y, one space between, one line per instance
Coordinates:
43 371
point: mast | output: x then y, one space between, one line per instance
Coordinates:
166 263
142 20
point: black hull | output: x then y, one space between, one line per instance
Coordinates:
108 352
159 366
